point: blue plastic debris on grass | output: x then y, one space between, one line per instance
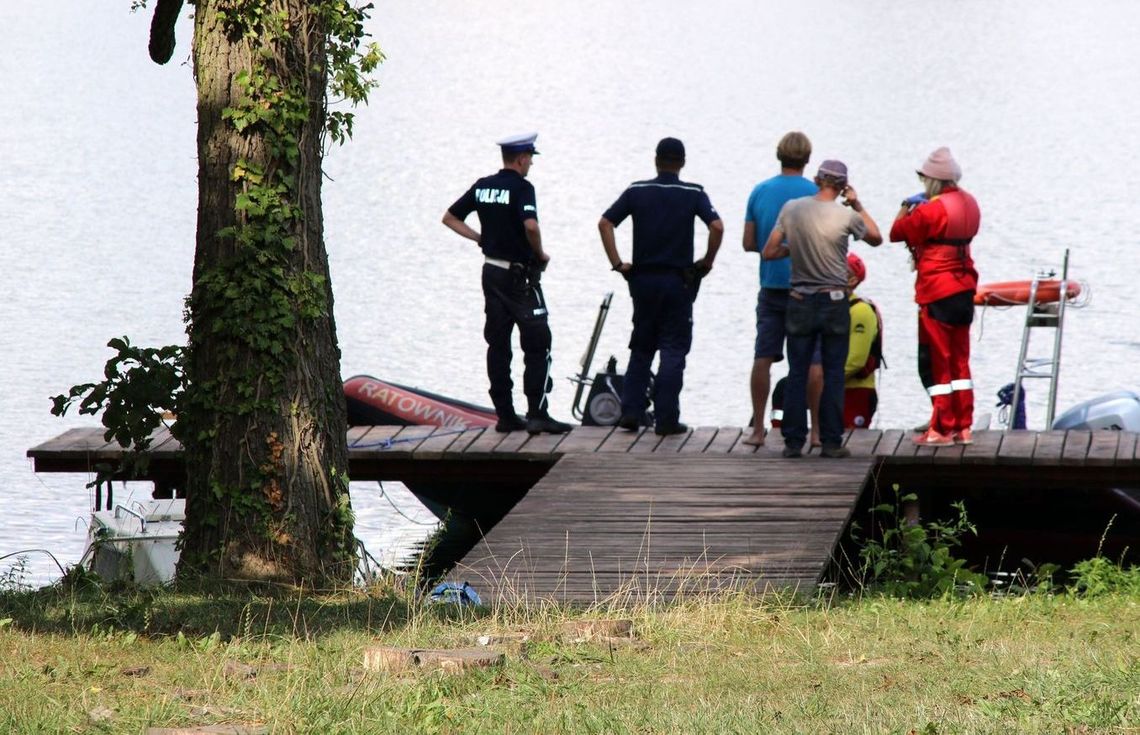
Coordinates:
456 594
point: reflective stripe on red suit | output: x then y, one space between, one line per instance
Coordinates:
944 269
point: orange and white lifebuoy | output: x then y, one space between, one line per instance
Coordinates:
1007 293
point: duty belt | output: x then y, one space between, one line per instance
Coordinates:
529 273
499 263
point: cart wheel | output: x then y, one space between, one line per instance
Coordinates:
604 409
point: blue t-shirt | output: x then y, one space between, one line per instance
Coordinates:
764 205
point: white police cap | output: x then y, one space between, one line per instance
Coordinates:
521 143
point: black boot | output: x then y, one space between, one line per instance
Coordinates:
510 422
629 423
541 422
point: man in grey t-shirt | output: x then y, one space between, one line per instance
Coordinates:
814 232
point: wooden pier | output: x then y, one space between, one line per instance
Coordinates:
647 526
601 511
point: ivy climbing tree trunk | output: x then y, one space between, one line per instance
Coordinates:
263 417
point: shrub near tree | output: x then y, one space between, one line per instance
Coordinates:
259 402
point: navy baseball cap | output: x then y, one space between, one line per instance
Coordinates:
521 143
671 148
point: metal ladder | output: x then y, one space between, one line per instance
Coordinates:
1043 315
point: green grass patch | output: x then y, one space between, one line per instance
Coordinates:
79 658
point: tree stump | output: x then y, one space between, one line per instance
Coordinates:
391 660
210 730
583 631
500 639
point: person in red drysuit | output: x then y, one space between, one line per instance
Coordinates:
937 226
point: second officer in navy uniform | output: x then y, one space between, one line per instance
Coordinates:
663 282
512 293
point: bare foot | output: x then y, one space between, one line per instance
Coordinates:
815 440
755 439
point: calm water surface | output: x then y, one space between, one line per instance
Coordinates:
97 176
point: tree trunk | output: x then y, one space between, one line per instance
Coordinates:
267 493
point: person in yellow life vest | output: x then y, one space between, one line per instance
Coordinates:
864 352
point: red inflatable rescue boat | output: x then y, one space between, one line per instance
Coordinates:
1007 293
372 401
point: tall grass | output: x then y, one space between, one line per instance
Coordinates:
81 657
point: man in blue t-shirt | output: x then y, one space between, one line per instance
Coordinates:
764 204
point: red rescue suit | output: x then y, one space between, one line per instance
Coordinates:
938 234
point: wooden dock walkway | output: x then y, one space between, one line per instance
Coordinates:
641 526
600 511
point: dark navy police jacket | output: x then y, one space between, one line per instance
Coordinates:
504 201
663 210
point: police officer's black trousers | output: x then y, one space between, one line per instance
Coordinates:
510 299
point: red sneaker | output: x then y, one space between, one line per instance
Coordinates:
965 436
934 438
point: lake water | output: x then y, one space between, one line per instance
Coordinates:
98 191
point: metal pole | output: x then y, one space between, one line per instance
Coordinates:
1021 369
1051 408
584 377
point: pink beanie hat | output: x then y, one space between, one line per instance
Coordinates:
941 165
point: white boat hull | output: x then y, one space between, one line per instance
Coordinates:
137 542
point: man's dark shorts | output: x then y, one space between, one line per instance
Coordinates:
771 310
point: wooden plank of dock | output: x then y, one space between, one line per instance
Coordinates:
545 443
1126 450
485 444
465 440
512 442
674 442
161 438
621 440
949 455
599 526
411 437
915 453
585 438
862 442
1076 447
699 440
889 443
726 437
375 439
436 446
647 443
985 448
1048 448
1102 448
1017 447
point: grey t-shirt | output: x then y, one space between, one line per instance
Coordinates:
816 233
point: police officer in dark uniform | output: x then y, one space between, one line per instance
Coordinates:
512 246
663 281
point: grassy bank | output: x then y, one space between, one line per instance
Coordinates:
81 660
